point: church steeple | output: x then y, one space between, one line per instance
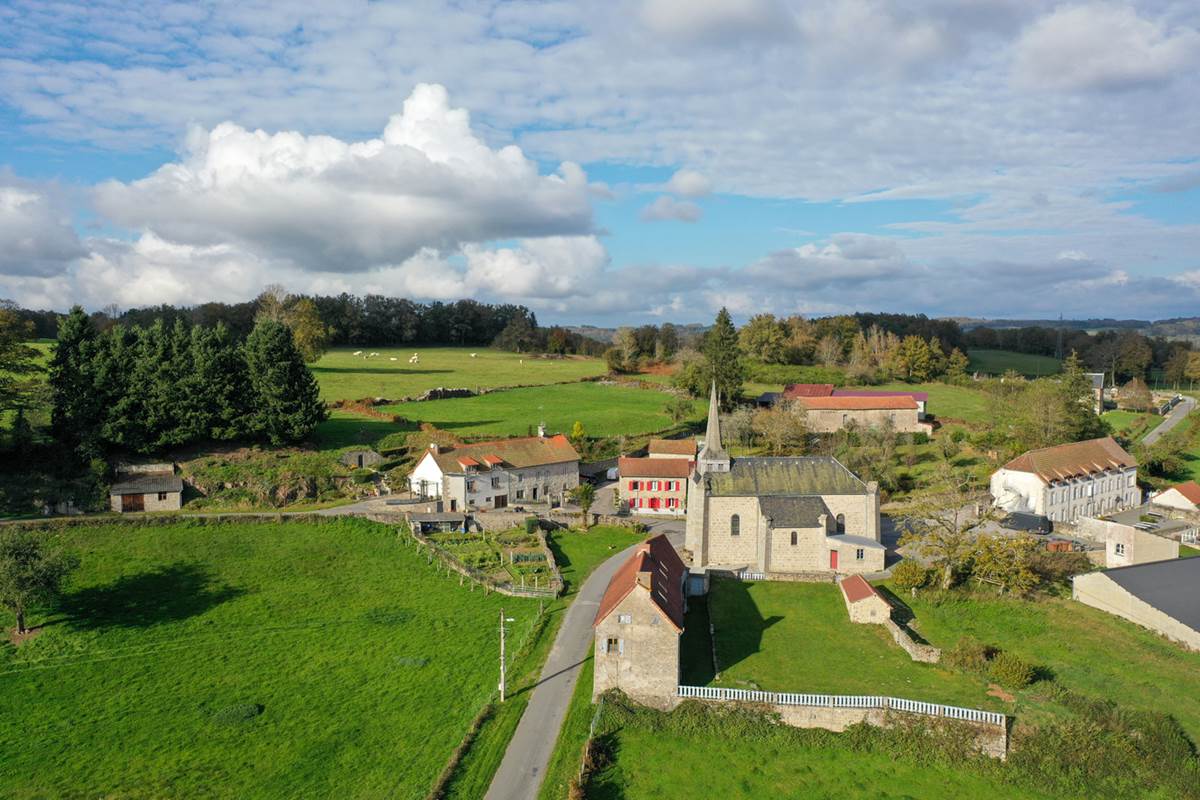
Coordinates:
713 457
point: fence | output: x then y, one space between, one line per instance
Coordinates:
552 590
842 701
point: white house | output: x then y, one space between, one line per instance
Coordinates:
1180 497
1069 481
536 469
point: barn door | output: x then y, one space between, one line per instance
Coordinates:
833 559
133 502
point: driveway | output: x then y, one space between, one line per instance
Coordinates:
1177 415
524 766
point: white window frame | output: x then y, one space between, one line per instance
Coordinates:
624 619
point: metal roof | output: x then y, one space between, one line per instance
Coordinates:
146 483
1173 587
857 541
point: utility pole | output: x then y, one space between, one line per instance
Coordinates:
503 620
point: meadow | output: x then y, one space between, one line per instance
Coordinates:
997 362
1131 424
345 376
247 660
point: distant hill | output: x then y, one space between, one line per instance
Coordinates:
1175 328
606 335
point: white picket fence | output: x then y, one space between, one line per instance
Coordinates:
841 701
747 575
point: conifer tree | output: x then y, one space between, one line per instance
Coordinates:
286 405
76 413
219 385
723 359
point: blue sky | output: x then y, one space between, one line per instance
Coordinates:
651 160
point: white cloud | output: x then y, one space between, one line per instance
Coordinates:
556 266
1102 46
666 208
36 237
326 204
717 21
689 183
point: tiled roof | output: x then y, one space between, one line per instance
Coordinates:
788 477
654 467
857 588
532 451
1190 490
794 390
146 483
919 396
793 512
654 567
673 447
1072 460
856 403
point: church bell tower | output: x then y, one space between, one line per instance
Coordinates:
713 457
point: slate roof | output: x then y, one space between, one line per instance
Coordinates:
1072 460
653 567
793 512
146 483
654 467
856 588
531 451
795 390
1173 587
784 476
673 447
859 403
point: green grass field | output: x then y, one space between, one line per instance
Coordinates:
1131 424
258 660
344 376
947 402
604 410
997 362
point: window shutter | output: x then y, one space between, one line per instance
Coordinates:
621 647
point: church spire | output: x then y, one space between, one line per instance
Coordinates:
713 457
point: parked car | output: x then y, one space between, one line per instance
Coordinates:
1029 523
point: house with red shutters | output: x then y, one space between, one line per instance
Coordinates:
654 485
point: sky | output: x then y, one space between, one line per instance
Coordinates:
607 163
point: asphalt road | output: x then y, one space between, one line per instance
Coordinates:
1174 418
524 766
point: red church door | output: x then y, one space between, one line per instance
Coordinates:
833 559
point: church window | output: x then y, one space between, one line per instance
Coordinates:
841 523
735 525
793 538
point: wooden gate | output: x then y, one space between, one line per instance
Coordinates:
133 502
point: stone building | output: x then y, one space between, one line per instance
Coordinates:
639 624
829 414
654 485
361 459
864 603
535 469
146 487
779 516
1069 481
1128 542
673 448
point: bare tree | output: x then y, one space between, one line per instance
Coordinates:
942 525
783 428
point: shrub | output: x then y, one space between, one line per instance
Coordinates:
1010 671
531 525
958 435
910 575
920 437
363 475
969 655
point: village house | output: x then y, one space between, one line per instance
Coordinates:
1163 596
488 475
639 623
1068 481
654 485
1097 379
779 516
829 409
673 448
1180 497
146 487
1128 540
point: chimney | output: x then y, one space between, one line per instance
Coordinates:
541 430
433 447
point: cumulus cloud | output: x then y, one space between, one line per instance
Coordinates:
36 237
689 183
327 204
1102 46
666 208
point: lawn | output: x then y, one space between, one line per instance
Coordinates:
1131 424
604 410
997 362
948 402
351 429
304 659
345 376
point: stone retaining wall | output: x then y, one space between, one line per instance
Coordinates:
918 652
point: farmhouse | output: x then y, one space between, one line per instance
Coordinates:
146 487
779 516
639 623
1068 481
830 409
654 485
1164 596
535 469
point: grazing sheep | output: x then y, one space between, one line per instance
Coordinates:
372 355
358 352
392 358
474 354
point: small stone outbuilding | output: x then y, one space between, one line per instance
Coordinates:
639 624
146 487
361 459
864 603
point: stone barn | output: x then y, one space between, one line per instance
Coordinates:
361 459
146 487
864 603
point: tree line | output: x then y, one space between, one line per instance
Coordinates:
146 389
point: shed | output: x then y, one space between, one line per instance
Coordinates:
437 522
361 459
1163 596
864 603
146 487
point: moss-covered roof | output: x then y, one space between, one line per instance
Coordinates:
763 477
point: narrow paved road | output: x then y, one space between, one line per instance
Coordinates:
524 766
1177 415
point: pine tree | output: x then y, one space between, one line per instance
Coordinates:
116 364
1077 397
219 385
723 359
286 402
76 414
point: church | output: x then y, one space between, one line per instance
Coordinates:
785 518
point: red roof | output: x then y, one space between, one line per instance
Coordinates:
857 588
794 390
859 403
654 467
673 447
467 461
919 396
493 460
654 567
1190 490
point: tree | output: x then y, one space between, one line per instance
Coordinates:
782 427
915 359
668 342
218 386
577 433
626 341
614 360
829 351
940 526
1135 396
764 338
956 366
17 359
723 361
1176 367
1006 562
308 330
680 408
285 401
737 427
1192 372
29 572
1133 354
583 496
76 413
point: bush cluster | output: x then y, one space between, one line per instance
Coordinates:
971 655
910 575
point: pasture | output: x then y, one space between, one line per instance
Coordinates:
1130 424
345 376
997 362
948 402
604 409
303 659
